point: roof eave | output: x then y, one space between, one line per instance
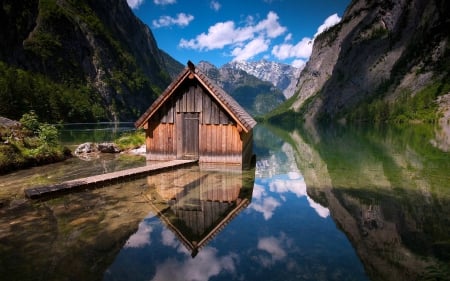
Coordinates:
161 99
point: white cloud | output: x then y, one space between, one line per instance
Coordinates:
270 26
320 210
258 191
218 36
273 246
303 49
294 185
266 207
215 5
244 41
299 63
141 238
251 49
288 37
329 22
168 238
205 265
164 2
134 4
181 20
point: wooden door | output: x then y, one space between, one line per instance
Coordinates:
189 128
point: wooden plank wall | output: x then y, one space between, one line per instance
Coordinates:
220 144
219 139
201 221
161 141
222 187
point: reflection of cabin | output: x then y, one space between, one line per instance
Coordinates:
195 119
196 204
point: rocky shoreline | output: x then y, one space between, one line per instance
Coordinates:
91 150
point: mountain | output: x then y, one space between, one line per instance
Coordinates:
385 61
254 95
73 61
283 76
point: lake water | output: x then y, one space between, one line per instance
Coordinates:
321 204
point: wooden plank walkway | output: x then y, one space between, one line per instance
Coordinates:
104 179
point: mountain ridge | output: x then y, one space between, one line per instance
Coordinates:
381 61
282 76
98 51
256 96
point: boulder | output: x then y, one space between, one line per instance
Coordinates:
85 148
108 147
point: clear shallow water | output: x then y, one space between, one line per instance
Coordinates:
333 204
77 133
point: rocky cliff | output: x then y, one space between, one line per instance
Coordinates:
282 76
382 54
98 49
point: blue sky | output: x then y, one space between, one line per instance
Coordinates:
220 31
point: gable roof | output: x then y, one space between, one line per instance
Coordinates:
225 100
218 225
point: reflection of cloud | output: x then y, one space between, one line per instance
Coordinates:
141 238
268 206
258 191
296 186
168 238
320 210
273 246
294 175
295 183
205 265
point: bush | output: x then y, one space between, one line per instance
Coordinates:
49 135
38 145
30 122
131 140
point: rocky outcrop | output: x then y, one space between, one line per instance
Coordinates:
379 50
99 47
8 123
90 150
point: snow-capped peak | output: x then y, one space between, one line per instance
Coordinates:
282 76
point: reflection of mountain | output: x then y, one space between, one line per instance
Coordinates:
390 197
196 204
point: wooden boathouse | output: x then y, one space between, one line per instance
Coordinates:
196 119
197 204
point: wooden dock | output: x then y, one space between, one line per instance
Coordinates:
104 179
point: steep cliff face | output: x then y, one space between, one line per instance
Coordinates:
381 50
99 45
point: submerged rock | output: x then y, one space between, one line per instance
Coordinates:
85 148
108 147
90 150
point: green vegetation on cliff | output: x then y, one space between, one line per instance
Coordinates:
385 62
78 61
22 90
421 107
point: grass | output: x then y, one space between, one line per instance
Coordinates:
17 154
131 140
